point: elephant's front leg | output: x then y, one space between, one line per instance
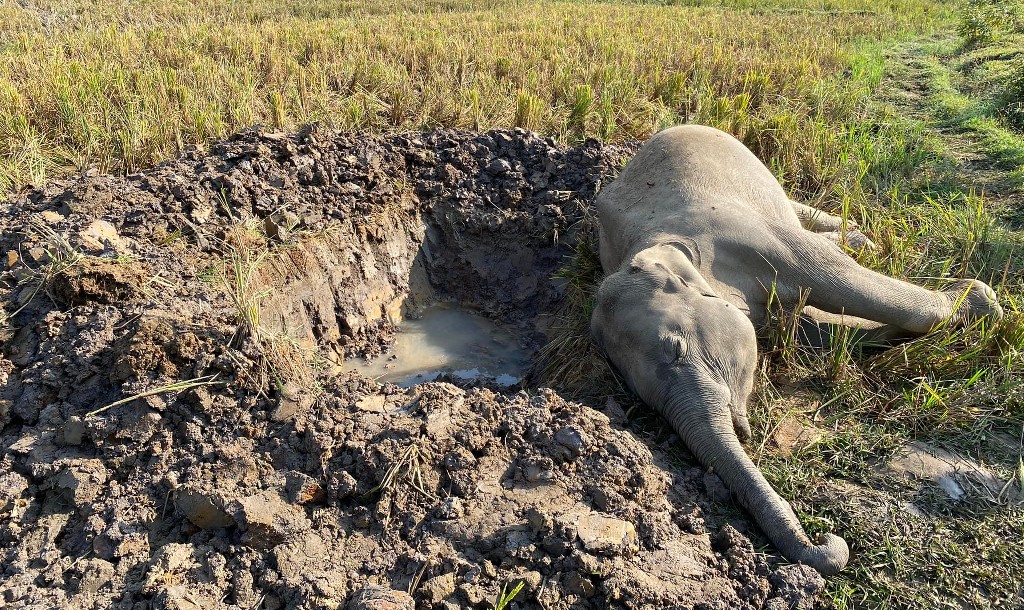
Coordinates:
691 356
819 329
796 260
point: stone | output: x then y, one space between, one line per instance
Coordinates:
96 574
451 508
571 439
50 217
605 535
531 580
303 489
380 598
80 481
371 404
473 595
435 590
38 255
576 584
267 520
73 431
291 401
12 486
99 236
203 509
181 597
796 582
342 486
168 559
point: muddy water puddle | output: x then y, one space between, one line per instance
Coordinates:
447 339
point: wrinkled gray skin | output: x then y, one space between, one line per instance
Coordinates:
694 232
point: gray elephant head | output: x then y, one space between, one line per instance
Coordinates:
693 355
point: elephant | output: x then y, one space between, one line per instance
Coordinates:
694 235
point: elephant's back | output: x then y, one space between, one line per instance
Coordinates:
690 174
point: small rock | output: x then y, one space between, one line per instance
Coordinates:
499 167
80 480
73 431
50 217
531 580
267 520
555 546
451 508
538 520
380 598
605 534
99 236
291 400
372 404
796 582
12 258
38 255
181 597
571 439
168 559
12 485
438 588
342 486
473 595
303 489
203 509
576 584
96 574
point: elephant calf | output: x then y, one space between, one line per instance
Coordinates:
694 234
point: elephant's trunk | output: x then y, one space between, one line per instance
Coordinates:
710 437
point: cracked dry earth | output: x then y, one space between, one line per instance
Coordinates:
289 482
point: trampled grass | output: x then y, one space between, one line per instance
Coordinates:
122 85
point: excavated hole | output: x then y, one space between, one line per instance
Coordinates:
412 301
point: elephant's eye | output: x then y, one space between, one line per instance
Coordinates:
674 346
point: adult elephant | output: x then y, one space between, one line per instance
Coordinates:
695 234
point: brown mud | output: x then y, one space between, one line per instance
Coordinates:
267 477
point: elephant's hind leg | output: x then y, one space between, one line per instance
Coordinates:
831 227
839 285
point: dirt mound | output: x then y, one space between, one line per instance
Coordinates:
177 431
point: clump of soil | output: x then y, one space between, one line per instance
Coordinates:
222 291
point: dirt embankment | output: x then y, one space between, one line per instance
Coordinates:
267 478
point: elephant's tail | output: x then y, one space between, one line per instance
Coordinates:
715 444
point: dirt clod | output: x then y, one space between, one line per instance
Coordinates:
381 598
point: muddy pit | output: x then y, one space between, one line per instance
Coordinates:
291 478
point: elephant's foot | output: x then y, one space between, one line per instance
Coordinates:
972 300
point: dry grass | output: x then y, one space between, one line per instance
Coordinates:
121 85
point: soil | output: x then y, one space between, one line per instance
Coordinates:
268 477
